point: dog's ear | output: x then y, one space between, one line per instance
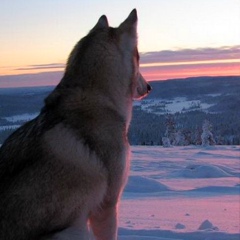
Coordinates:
101 24
130 24
128 31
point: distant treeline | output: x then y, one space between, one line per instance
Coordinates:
149 129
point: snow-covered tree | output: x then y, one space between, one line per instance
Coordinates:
166 142
170 128
207 136
179 139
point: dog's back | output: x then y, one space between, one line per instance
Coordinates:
68 166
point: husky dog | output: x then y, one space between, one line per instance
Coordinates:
66 169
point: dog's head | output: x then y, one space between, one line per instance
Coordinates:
107 59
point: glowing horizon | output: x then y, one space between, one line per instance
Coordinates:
159 65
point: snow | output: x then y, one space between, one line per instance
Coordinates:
178 104
180 226
16 119
22 117
202 171
144 185
9 127
187 193
207 225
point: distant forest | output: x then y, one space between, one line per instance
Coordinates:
149 128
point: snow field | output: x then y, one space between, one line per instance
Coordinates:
182 193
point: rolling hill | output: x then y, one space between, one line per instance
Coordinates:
188 102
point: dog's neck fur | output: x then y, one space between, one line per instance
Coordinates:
92 103
81 102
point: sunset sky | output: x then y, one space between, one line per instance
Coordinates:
177 38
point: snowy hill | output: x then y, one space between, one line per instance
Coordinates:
210 94
189 102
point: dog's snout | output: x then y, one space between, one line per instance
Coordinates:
149 88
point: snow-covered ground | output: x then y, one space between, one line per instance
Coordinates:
178 104
187 193
181 193
17 119
22 117
9 127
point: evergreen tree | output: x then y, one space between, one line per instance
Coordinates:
197 140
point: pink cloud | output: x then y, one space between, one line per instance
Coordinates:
199 54
182 63
42 67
